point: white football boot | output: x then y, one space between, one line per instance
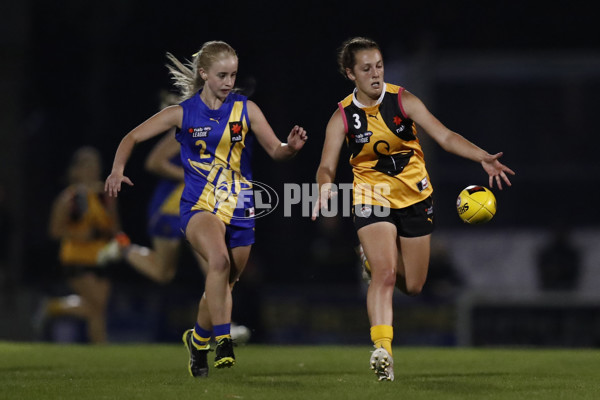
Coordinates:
382 364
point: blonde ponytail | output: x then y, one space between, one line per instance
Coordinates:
184 77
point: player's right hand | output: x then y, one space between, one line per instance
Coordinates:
113 183
322 203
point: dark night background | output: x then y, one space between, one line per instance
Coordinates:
77 73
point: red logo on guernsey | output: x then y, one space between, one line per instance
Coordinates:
397 120
235 129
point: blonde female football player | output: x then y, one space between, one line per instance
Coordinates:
392 193
159 262
215 128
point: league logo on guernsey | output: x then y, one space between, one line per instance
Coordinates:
235 128
362 137
200 132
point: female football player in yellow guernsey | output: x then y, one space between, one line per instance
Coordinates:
84 219
393 210
213 128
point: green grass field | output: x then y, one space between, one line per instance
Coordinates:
50 371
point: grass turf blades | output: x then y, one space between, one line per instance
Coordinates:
51 371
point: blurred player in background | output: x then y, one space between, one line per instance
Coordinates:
217 207
84 219
377 121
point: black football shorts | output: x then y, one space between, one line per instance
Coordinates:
412 221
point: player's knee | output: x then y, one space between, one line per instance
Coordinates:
414 288
219 263
385 277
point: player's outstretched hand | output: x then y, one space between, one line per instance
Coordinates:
113 183
496 170
297 138
323 201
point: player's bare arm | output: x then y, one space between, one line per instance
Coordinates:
160 122
454 143
334 140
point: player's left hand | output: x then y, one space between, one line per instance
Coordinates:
297 138
496 170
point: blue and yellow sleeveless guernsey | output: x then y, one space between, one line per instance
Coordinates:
387 159
216 150
163 210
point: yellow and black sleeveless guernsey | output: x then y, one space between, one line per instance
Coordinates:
387 159
91 214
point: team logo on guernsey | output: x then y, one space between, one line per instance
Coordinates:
390 164
200 132
235 128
